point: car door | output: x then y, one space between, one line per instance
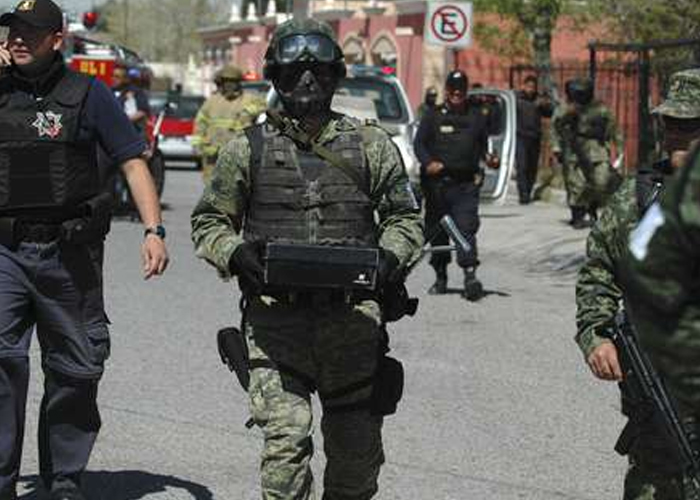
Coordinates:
502 142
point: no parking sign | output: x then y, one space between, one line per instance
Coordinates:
449 23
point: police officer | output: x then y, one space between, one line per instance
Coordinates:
599 292
226 112
584 132
450 143
52 226
310 176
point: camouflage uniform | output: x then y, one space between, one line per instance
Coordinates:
598 296
325 346
218 120
587 186
652 474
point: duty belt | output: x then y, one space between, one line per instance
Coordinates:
321 298
37 232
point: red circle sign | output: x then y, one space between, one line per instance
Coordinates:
449 23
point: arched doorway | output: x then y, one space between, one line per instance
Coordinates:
354 50
383 52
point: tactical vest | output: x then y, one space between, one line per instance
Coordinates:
298 197
459 142
44 167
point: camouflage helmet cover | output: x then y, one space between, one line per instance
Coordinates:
683 98
228 73
302 27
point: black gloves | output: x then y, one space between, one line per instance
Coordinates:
247 263
387 270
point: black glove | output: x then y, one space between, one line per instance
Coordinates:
246 262
387 270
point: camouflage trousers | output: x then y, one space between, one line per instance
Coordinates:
591 190
298 349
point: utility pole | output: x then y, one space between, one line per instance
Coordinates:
126 22
301 8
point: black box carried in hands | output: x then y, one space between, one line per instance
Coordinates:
318 266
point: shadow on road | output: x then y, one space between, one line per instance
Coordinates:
485 293
121 485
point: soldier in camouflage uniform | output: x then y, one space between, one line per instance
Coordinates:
583 133
270 184
226 112
652 473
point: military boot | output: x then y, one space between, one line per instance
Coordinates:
578 218
473 289
440 285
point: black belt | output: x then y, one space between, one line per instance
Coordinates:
37 232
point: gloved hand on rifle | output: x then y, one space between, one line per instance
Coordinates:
247 263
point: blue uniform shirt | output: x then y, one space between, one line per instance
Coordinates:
104 120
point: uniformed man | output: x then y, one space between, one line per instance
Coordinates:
652 473
429 102
450 144
310 176
532 107
583 134
226 112
660 270
52 226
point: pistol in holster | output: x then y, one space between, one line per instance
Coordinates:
92 225
233 350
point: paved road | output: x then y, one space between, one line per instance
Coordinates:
498 402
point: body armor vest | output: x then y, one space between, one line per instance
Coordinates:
298 197
460 140
44 168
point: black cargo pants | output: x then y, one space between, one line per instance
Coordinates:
57 289
461 201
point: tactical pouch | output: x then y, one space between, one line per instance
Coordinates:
388 387
233 350
93 226
316 266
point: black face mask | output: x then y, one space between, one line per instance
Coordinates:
680 133
306 88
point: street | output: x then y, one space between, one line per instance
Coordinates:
498 403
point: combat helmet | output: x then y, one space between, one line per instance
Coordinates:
580 90
230 72
683 97
303 40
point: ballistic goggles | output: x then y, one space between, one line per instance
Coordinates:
314 46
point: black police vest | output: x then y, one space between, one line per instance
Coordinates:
298 197
44 168
460 140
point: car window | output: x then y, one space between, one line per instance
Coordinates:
186 108
383 93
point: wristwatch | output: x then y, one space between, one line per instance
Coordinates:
158 230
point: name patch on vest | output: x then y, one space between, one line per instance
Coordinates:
48 124
447 129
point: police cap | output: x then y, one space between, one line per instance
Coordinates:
37 13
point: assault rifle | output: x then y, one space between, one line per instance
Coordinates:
645 385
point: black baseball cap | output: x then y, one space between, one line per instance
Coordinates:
457 80
38 13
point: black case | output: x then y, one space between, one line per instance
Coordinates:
317 266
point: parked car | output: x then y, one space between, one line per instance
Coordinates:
175 138
391 106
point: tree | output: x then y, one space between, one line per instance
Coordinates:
533 19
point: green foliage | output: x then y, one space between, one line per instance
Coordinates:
163 30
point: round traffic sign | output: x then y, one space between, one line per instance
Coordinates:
449 23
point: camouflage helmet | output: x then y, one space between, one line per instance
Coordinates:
303 27
228 73
683 98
